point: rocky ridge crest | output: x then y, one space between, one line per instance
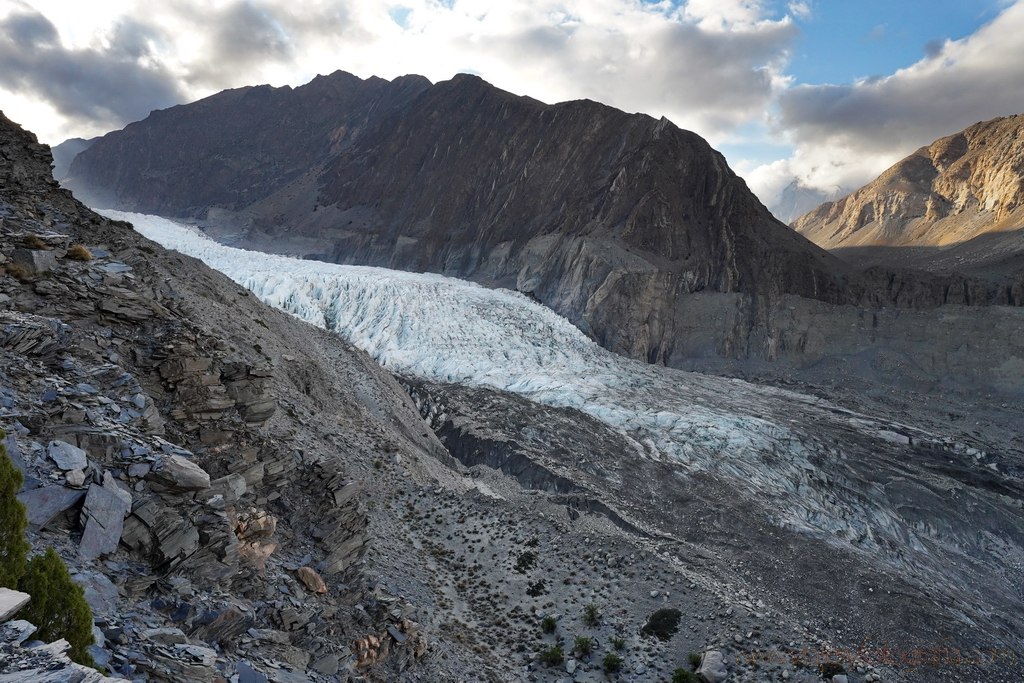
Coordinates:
953 190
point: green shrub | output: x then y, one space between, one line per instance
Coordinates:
591 615
830 669
526 561
13 520
611 663
662 624
58 607
618 643
548 624
553 656
694 661
684 676
536 589
583 646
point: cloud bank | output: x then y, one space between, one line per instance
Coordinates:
845 135
709 65
718 67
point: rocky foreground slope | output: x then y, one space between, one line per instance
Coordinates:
954 190
634 230
197 459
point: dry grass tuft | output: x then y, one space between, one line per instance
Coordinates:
34 242
78 252
17 271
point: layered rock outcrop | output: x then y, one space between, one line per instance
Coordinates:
953 190
165 437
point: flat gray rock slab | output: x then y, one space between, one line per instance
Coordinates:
10 602
180 473
105 509
43 504
67 456
100 592
14 452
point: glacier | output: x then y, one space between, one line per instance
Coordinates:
773 445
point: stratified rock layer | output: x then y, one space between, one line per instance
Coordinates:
953 190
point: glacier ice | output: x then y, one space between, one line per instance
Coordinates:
442 329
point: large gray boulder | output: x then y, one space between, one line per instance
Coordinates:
35 260
712 667
178 473
104 511
43 504
67 456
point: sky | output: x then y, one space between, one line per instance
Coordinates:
827 93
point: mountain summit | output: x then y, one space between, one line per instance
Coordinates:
953 190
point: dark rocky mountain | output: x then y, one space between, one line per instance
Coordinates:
235 147
636 231
65 153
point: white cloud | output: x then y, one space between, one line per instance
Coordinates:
801 9
709 65
847 134
714 66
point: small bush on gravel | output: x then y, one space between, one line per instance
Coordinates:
611 663
526 562
552 656
583 646
830 669
17 271
548 624
591 615
662 624
34 242
618 643
694 661
684 676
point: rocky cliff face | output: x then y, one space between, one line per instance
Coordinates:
233 148
953 190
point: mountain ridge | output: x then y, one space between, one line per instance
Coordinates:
955 189
628 226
